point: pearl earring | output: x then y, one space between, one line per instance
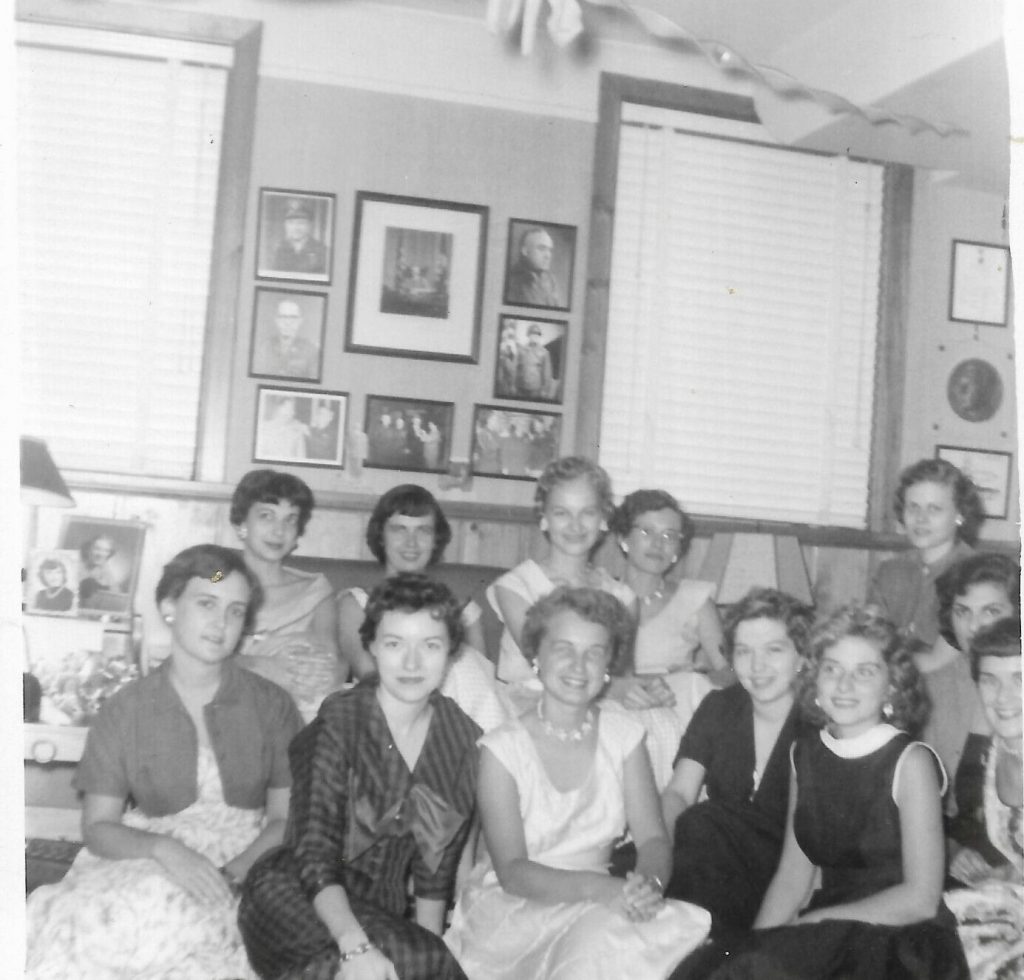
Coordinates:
887 710
168 620
243 532
607 677
624 547
959 522
543 523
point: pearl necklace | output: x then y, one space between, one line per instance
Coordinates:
654 596
566 734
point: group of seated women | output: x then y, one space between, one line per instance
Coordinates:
630 788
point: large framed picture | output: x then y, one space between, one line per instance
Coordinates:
513 443
299 426
979 290
287 334
416 279
295 235
408 433
109 554
539 263
530 360
990 471
51 582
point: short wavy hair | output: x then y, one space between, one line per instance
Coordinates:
51 565
1000 639
796 616
966 498
411 592
592 605
208 561
569 468
271 487
907 693
409 500
985 566
643 502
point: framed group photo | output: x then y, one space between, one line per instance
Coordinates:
513 443
530 359
296 425
539 263
989 470
416 279
287 334
979 290
408 433
295 235
109 554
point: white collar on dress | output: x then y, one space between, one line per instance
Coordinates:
860 745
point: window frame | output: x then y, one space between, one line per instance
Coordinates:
890 364
244 37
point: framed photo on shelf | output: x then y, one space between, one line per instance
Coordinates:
416 278
299 426
530 359
515 444
539 263
295 235
989 469
51 582
979 290
109 554
408 433
287 334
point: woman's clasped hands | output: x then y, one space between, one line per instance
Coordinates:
641 897
198 875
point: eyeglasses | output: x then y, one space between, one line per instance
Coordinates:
667 538
860 674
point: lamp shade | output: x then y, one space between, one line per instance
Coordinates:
41 482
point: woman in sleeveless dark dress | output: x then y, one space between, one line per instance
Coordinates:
865 810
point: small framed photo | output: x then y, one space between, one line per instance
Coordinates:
408 433
990 470
287 334
295 235
296 425
416 280
539 264
51 582
109 554
513 443
530 360
980 283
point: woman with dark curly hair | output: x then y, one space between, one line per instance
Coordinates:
556 787
866 814
383 786
941 511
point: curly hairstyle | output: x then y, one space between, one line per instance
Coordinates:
409 500
643 502
51 565
998 639
907 694
270 487
410 592
966 498
208 561
592 605
986 566
759 603
569 468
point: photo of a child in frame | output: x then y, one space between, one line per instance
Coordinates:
51 583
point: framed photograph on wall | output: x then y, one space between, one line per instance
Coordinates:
299 426
109 555
979 290
416 278
51 582
295 235
539 263
530 359
513 443
287 334
989 469
408 433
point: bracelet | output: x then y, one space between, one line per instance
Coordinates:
356 951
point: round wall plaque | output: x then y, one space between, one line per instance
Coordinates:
974 390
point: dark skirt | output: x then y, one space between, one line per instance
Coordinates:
286 940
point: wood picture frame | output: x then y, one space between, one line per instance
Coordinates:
990 470
295 235
288 328
529 360
539 262
413 434
979 283
300 426
513 443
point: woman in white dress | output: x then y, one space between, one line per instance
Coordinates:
555 788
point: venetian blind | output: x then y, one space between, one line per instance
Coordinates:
739 369
118 151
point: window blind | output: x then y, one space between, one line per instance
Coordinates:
739 367
118 153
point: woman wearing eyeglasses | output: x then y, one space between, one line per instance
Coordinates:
680 631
